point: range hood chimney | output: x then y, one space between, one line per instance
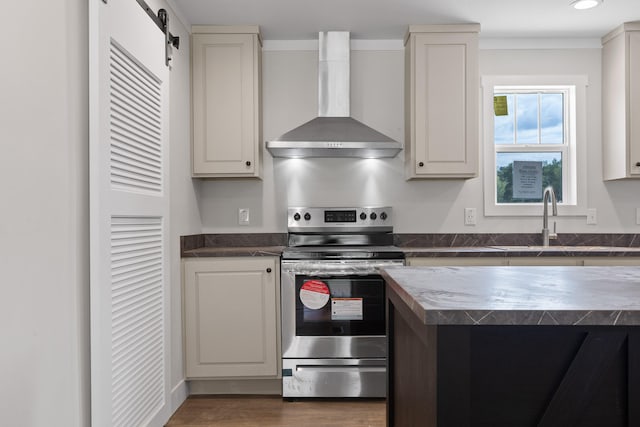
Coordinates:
333 133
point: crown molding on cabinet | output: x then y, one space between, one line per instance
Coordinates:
538 43
485 44
283 45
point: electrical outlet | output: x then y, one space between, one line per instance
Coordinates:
637 216
591 217
243 216
469 216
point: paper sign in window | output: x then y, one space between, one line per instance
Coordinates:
346 308
527 180
500 105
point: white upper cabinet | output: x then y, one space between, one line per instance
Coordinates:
442 88
226 96
621 102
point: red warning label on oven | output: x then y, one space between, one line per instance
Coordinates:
314 294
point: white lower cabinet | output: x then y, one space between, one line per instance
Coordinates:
492 261
231 312
612 261
523 261
545 261
455 261
600 261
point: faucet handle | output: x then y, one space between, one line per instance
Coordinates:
553 235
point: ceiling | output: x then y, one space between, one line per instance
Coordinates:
388 19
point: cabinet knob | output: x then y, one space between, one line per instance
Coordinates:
248 163
421 164
269 270
638 164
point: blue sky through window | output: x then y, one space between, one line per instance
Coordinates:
527 118
534 118
552 118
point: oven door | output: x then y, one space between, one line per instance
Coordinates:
333 309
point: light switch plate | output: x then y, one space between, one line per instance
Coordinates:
591 217
637 216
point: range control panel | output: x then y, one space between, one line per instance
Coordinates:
321 219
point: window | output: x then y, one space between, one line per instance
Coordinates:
532 128
530 138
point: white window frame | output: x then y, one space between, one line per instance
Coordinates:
574 164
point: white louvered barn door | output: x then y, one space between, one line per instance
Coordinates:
129 89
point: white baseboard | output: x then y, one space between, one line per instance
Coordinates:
179 394
262 386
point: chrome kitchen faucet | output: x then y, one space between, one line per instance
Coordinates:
548 193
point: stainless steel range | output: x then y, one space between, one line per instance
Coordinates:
333 301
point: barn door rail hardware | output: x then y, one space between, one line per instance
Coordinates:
162 21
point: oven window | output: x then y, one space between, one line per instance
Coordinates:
340 305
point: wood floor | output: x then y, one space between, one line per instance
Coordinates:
272 411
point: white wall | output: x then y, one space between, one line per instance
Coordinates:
44 239
44 365
185 215
425 206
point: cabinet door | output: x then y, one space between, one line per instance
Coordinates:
611 261
545 261
444 107
621 103
456 261
226 105
634 103
231 317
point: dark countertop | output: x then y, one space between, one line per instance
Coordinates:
233 251
436 252
519 295
429 245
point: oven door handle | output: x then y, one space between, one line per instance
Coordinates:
341 368
337 273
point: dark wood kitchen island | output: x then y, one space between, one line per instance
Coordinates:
513 346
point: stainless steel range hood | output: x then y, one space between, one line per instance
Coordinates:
333 133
